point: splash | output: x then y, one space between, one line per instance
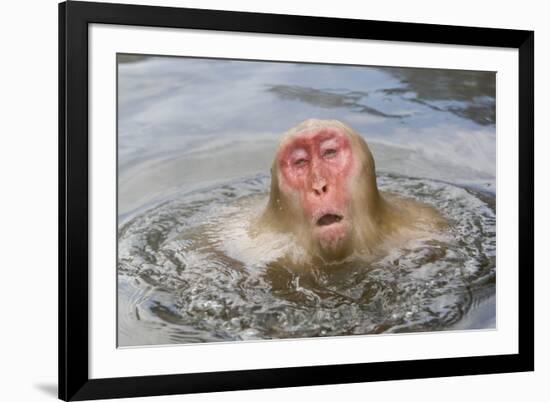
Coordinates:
189 272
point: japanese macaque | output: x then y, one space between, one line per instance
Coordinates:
324 192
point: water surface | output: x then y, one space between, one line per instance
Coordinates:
195 141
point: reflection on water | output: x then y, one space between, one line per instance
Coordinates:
196 139
468 94
329 99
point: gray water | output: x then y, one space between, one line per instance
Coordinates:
195 141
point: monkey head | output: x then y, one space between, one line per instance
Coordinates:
323 187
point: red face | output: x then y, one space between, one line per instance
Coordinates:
315 171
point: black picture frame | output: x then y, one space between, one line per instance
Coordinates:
74 381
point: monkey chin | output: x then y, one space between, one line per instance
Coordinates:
333 241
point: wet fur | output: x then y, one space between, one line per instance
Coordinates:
379 220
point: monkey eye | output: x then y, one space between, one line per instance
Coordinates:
329 153
300 162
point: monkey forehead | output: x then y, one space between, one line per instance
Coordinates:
310 136
311 124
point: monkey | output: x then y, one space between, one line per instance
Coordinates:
324 193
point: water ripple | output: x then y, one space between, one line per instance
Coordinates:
188 272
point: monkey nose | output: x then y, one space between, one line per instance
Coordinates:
320 188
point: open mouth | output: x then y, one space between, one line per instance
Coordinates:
329 219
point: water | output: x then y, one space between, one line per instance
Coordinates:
196 139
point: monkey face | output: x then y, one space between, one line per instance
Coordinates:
315 169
